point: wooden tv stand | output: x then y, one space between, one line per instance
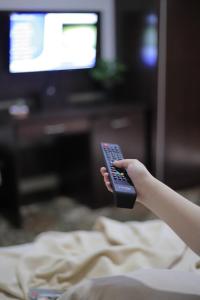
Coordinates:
66 144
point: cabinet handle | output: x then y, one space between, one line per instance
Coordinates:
120 123
54 129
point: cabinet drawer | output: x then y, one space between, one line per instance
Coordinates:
126 130
34 131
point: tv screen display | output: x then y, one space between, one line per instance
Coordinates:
50 41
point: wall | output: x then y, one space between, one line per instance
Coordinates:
182 105
106 7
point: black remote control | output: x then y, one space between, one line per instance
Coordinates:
123 189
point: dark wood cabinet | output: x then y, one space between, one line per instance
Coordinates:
60 152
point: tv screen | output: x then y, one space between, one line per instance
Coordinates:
50 41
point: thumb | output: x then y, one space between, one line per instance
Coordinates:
123 163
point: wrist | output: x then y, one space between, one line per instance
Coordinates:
145 187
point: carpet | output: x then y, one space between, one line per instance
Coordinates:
60 214
66 214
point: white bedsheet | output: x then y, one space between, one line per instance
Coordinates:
60 260
151 284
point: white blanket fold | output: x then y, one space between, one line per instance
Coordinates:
59 260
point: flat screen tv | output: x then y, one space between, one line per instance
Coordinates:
51 41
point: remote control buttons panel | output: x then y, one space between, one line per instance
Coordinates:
123 189
113 153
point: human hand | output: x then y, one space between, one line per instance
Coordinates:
136 171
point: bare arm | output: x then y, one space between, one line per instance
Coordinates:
179 213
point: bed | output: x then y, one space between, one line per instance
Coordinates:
117 255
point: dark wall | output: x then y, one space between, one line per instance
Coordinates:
132 25
182 163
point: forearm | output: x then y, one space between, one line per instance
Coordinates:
180 214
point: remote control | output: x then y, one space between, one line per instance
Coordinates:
123 189
44 294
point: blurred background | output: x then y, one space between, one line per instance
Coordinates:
77 73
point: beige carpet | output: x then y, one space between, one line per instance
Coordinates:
64 214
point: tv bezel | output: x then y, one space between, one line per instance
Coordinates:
6 20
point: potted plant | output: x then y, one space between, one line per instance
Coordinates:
109 74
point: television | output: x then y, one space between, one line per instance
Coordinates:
51 41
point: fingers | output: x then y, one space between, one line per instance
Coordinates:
106 178
103 171
124 163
